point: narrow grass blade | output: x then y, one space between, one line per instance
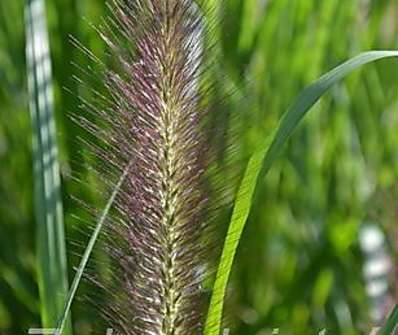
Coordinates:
87 253
51 253
391 324
259 165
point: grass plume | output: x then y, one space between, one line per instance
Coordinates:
156 126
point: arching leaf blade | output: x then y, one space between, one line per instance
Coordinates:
259 165
391 324
87 253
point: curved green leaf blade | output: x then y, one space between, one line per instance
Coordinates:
391 324
87 253
259 165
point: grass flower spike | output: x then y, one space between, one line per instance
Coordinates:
156 127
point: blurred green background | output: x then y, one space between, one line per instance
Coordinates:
299 266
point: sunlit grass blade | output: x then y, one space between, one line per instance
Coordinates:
51 253
391 324
258 166
83 263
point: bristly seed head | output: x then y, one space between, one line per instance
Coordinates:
156 124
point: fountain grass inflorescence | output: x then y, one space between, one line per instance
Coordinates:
156 126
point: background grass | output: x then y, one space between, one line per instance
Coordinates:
51 263
299 266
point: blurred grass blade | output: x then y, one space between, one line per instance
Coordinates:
391 324
259 165
51 254
87 253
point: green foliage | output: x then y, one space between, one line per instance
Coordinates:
258 167
391 323
51 253
87 253
298 266
18 294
